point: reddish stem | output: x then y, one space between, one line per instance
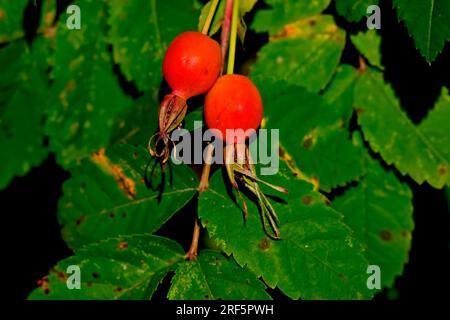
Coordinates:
226 27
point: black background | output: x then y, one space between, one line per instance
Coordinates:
31 235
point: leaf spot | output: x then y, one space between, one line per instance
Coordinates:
307 200
386 235
264 244
122 245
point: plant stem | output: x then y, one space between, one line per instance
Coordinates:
204 180
225 36
193 250
210 16
233 37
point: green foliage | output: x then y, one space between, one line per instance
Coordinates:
379 210
368 43
11 14
428 22
354 10
140 50
420 151
85 98
22 96
126 268
283 12
306 53
118 192
339 94
320 147
314 240
212 276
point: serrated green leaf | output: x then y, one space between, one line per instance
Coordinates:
122 268
212 276
368 43
306 53
379 210
116 193
312 134
354 10
316 258
23 94
428 22
423 151
139 51
284 12
85 97
11 16
340 92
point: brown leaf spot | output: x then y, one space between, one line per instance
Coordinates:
46 291
442 170
122 245
61 275
404 234
2 14
80 220
386 235
264 244
112 215
126 184
89 284
118 289
307 142
359 110
95 275
124 214
307 200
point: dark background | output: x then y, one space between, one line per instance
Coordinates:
31 239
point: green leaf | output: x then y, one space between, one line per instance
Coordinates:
191 117
423 151
428 22
123 268
135 125
283 12
340 92
368 43
23 94
48 14
354 10
316 259
11 16
312 135
306 53
117 193
245 7
85 98
212 276
140 50
379 210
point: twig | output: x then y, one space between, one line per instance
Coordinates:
210 16
193 250
225 37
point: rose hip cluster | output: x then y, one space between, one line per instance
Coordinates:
192 67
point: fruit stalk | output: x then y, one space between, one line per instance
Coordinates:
233 37
225 36
209 18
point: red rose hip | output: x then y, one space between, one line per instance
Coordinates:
233 103
192 64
